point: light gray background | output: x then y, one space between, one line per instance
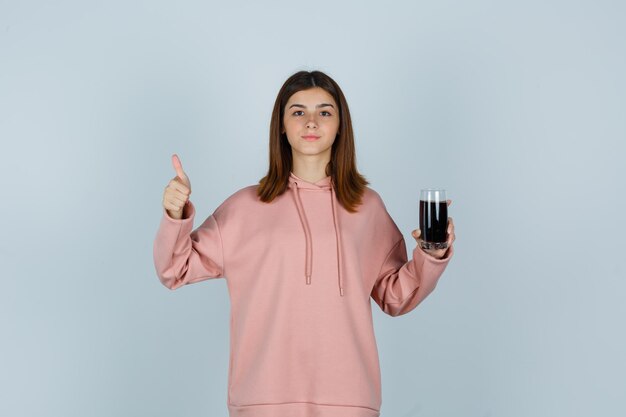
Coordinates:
516 108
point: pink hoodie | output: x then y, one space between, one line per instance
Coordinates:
300 272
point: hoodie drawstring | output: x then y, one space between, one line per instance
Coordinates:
307 233
338 236
295 183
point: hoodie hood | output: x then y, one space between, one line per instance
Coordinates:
298 185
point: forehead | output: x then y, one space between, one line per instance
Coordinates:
311 96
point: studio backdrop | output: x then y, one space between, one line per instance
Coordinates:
515 108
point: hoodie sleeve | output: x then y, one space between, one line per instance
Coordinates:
401 285
183 256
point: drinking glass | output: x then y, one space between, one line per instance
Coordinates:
433 213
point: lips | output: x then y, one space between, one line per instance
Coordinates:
310 137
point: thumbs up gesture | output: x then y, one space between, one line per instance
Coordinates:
177 192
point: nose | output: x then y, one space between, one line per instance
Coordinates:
311 122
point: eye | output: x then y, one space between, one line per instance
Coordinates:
324 111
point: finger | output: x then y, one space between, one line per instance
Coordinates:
172 206
178 167
450 230
181 196
449 202
451 236
177 185
178 200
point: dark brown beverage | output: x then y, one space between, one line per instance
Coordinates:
433 221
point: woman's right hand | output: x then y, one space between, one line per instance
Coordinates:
177 191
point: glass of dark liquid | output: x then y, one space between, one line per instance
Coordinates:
433 219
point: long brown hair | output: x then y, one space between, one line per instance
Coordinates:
348 183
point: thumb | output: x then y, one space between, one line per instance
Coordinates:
178 167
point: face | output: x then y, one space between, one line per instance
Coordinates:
311 112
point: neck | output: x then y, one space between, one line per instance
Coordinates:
311 170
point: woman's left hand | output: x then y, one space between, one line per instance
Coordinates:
438 253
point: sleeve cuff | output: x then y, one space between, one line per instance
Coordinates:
189 211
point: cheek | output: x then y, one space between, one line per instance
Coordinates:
290 125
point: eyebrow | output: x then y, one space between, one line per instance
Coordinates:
319 105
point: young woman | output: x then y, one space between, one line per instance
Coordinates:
302 251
